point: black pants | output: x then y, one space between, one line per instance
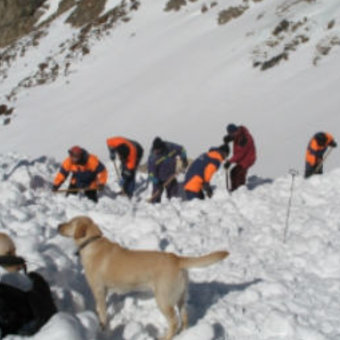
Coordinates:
24 313
312 170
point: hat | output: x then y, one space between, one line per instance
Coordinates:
231 128
158 144
75 151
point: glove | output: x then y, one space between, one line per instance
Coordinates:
55 187
112 154
227 165
100 187
208 190
333 144
154 180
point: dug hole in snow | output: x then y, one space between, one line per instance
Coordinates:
264 290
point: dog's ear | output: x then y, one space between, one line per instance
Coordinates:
80 231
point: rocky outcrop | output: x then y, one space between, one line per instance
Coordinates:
17 18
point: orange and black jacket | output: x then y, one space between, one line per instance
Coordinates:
89 173
315 152
135 151
202 170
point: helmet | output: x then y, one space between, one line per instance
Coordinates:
75 151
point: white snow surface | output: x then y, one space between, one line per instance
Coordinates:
265 290
183 77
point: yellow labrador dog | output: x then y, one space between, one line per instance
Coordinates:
109 266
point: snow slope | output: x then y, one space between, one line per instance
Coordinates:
182 76
265 290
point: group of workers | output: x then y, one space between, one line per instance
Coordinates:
90 175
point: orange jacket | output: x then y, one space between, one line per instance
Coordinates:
315 152
202 170
90 174
131 161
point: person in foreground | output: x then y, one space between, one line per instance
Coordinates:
26 302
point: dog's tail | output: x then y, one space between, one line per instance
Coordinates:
202 261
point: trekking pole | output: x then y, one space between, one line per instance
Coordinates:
294 173
227 180
158 192
322 161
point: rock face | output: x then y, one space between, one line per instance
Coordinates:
17 18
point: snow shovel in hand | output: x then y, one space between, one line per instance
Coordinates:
74 190
158 192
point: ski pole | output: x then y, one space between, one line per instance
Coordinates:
322 161
294 173
227 180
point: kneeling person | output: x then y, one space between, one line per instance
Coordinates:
88 173
198 177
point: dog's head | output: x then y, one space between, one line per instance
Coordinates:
80 228
7 246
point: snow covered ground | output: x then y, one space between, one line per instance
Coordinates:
183 77
265 290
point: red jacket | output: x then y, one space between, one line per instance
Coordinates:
244 152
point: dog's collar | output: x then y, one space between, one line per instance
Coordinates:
86 243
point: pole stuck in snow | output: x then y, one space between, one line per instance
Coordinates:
294 173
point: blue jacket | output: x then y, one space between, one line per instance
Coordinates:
163 165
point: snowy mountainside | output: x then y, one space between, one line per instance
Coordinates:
264 290
179 69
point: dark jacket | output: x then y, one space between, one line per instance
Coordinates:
244 152
163 165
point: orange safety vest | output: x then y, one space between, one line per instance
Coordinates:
91 174
314 152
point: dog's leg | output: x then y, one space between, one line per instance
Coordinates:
99 293
182 307
170 314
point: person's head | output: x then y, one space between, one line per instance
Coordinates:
158 146
76 154
224 150
123 151
321 138
231 129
